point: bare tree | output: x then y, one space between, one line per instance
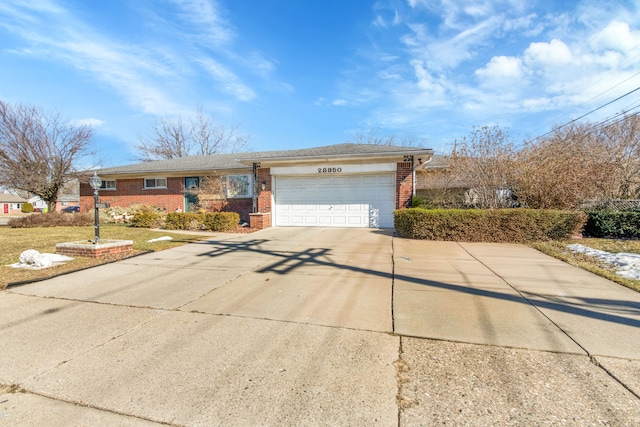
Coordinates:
621 141
200 135
209 195
39 151
373 136
485 161
569 166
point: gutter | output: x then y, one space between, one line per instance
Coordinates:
335 157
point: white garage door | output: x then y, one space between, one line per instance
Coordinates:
335 201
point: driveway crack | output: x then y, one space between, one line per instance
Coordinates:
591 357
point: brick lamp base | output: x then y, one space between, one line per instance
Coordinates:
89 250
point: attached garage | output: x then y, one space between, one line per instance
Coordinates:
342 185
336 196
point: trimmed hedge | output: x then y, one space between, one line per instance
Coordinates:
492 225
52 219
613 224
221 221
215 221
183 221
146 219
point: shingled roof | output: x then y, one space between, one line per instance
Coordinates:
11 198
242 160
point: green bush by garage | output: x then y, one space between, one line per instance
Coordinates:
488 225
613 224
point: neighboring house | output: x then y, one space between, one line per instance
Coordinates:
65 200
11 204
344 185
438 185
39 205
69 195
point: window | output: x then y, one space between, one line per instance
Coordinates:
155 183
108 184
239 186
192 183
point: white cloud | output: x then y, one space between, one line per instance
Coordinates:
427 90
617 36
206 17
93 123
501 67
548 54
536 104
450 50
339 102
527 59
149 77
54 34
229 81
530 25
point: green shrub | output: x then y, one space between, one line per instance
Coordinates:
27 208
147 219
183 221
419 202
613 224
221 221
493 225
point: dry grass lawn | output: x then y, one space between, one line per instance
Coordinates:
13 241
558 249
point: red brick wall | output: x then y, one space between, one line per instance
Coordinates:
264 197
260 220
131 191
242 206
93 251
404 184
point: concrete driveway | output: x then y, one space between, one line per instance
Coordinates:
291 326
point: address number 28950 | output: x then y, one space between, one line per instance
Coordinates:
329 170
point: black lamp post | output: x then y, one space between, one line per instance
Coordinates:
95 182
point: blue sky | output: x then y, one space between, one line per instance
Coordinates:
303 73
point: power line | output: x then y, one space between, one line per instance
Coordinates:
612 87
586 114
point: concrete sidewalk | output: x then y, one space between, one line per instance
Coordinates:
310 326
519 334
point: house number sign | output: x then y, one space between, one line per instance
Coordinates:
329 170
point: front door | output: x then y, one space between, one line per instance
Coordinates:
6 208
191 186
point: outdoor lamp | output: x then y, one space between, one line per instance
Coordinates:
95 182
264 185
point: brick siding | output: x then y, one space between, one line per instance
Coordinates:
404 184
264 196
94 251
131 191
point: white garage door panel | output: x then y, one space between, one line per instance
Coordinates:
335 201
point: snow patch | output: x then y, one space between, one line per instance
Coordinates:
35 260
160 239
626 265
